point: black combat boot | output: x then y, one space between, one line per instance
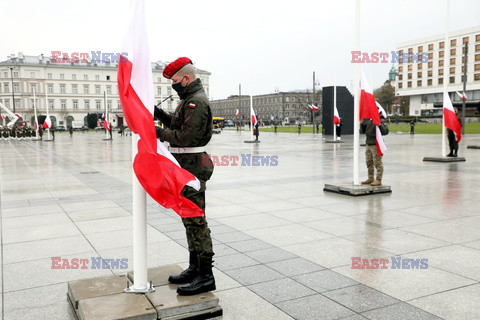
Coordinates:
204 282
189 274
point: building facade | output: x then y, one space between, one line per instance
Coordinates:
73 89
284 107
423 80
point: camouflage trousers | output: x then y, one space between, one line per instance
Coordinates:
373 162
198 233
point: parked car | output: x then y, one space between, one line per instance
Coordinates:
59 128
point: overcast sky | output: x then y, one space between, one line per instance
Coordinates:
263 44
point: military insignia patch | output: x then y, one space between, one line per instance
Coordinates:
191 105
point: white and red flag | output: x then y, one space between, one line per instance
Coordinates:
103 115
47 124
156 169
336 116
462 96
35 125
253 116
106 125
313 107
368 105
450 117
237 113
2 117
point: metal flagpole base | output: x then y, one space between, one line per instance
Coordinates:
334 141
132 289
251 141
107 139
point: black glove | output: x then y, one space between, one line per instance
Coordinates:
157 112
159 132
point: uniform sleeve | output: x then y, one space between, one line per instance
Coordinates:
192 129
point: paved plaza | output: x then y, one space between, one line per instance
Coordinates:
283 246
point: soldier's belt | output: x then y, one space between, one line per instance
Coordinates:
187 150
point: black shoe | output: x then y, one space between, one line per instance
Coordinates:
204 282
450 155
189 274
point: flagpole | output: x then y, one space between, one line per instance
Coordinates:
251 117
446 74
48 115
35 110
106 113
334 108
356 107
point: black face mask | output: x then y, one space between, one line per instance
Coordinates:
178 86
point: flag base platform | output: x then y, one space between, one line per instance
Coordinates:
104 298
334 141
107 139
444 159
252 141
353 190
473 147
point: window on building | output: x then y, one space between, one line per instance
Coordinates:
477 38
169 91
50 88
63 104
440 72
74 88
15 74
62 88
159 79
86 104
74 77
453 52
98 104
440 80
461 78
477 47
75 104
429 82
62 76
430 47
430 73
7 103
159 91
410 67
440 63
118 105
97 89
400 69
33 88
452 70
5 74
409 84
430 56
109 90
97 77
476 77
420 66
49 75
465 39
441 45
51 104
85 88
419 74
410 50
18 104
420 48
441 54
453 42
419 83
400 77
85 77
453 61
477 57
16 87
477 67
452 79
32 75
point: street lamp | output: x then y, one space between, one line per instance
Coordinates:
13 93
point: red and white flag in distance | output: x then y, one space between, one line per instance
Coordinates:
237 113
462 96
156 169
106 125
336 116
450 117
47 123
253 116
368 105
312 107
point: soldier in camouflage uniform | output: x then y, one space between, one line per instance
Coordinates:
373 160
188 130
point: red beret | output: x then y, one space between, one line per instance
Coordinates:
174 66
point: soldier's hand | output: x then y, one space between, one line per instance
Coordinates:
159 132
157 112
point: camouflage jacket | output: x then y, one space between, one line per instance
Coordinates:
191 123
